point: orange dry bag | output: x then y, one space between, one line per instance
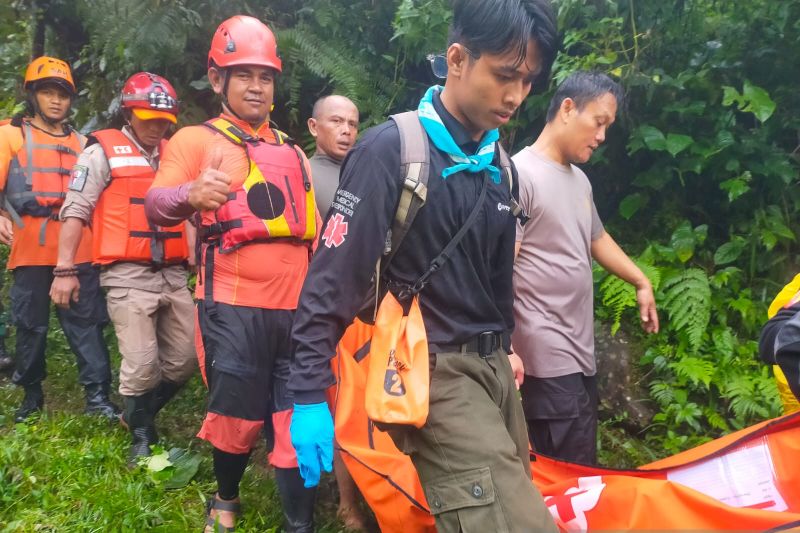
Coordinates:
398 381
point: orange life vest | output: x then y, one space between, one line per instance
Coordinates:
275 201
121 229
39 173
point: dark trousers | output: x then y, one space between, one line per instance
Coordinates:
82 323
562 416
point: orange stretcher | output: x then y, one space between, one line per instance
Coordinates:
748 480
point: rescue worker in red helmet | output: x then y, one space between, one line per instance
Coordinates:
143 266
252 187
37 151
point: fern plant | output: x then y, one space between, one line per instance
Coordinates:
618 295
687 300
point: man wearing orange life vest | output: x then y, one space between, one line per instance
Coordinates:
37 151
143 266
258 224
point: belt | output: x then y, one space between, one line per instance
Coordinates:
484 344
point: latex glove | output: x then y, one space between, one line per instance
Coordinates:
312 437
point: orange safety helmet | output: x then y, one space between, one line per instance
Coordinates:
150 96
243 40
49 70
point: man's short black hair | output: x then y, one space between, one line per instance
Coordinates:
582 87
499 26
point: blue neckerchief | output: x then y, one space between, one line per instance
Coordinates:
443 140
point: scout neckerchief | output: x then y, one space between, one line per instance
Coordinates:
443 140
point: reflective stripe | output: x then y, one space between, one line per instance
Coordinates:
57 147
31 194
132 161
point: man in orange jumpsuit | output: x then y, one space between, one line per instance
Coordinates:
37 152
258 223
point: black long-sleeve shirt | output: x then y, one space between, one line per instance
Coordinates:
471 294
780 344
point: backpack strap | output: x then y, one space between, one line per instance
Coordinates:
415 169
505 165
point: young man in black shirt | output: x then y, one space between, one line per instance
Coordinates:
472 453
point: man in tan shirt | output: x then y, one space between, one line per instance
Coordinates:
553 290
143 266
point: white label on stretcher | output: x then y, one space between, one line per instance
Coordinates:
744 477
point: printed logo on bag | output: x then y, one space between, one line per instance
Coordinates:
503 207
122 150
77 180
392 384
571 507
335 231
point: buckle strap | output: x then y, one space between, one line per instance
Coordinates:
484 344
218 228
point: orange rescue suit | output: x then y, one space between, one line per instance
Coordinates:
275 202
121 230
39 173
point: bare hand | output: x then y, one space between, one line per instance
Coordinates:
210 190
647 307
64 289
517 368
6 230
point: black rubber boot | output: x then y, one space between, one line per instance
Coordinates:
139 417
6 362
97 402
33 402
297 501
165 391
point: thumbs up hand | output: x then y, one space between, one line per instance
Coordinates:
210 190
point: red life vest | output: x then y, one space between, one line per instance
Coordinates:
121 230
275 201
39 173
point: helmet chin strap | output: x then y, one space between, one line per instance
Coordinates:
224 96
49 121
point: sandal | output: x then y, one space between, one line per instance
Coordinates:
220 505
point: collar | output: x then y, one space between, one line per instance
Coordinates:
325 157
459 133
264 131
128 132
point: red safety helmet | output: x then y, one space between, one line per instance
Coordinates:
243 40
150 96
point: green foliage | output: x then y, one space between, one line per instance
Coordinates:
698 177
688 303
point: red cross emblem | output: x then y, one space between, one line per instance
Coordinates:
335 232
569 509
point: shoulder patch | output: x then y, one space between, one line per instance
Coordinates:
78 178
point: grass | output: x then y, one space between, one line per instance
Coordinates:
64 471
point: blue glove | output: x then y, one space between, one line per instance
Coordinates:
312 438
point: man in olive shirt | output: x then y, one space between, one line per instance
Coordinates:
553 290
334 124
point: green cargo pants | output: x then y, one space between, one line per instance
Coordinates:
472 453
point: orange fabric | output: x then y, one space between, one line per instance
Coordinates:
759 464
230 434
266 275
747 480
398 381
120 209
282 454
25 247
385 476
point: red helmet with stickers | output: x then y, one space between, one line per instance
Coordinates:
150 97
243 40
